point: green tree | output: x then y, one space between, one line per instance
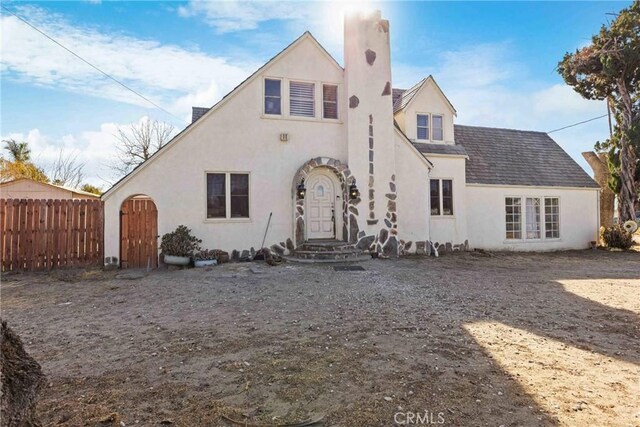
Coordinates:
19 151
91 189
609 69
10 170
19 164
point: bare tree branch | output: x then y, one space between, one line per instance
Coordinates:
67 170
138 142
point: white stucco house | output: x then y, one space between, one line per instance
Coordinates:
304 122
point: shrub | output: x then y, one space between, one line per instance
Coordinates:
205 255
617 237
180 242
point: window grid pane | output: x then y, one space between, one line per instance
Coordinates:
272 97
447 197
533 218
552 218
513 210
434 192
330 101
301 99
216 198
239 195
423 126
438 133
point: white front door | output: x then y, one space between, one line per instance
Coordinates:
321 198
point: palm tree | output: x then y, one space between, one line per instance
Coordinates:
20 151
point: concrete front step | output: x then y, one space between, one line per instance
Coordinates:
359 258
326 247
327 251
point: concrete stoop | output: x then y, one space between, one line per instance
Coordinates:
326 251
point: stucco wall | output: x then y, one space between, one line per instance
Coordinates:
412 177
427 100
486 217
450 228
237 138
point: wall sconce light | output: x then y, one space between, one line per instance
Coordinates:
354 193
300 190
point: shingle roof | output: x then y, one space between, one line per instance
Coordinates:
426 148
516 157
396 93
401 99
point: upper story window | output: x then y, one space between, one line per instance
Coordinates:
329 101
423 126
272 96
302 99
437 133
430 127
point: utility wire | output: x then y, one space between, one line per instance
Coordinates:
90 64
579 123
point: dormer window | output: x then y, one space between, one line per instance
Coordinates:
423 126
272 97
301 99
430 127
437 133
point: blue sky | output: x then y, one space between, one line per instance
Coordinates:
495 61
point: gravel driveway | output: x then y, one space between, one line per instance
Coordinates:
464 339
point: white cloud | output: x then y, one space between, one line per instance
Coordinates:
229 16
95 149
161 72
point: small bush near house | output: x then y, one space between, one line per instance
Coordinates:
617 237
205 255
180 242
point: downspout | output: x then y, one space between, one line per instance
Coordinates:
598 217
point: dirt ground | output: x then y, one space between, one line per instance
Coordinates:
461 340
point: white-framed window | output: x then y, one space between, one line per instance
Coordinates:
513 211
441 196
552 217
227 195
532 214
302 99
273 96
524 218
437 130
423 126
329 101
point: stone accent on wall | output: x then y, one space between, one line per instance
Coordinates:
427 247
350 227
370 56
372 214
387 89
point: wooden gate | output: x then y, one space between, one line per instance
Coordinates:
138 233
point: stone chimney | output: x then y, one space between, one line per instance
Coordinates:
197 112
370 132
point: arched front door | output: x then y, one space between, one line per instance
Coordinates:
321 206
138 233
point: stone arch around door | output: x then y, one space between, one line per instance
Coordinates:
348 209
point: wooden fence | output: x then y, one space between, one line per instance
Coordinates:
44 234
